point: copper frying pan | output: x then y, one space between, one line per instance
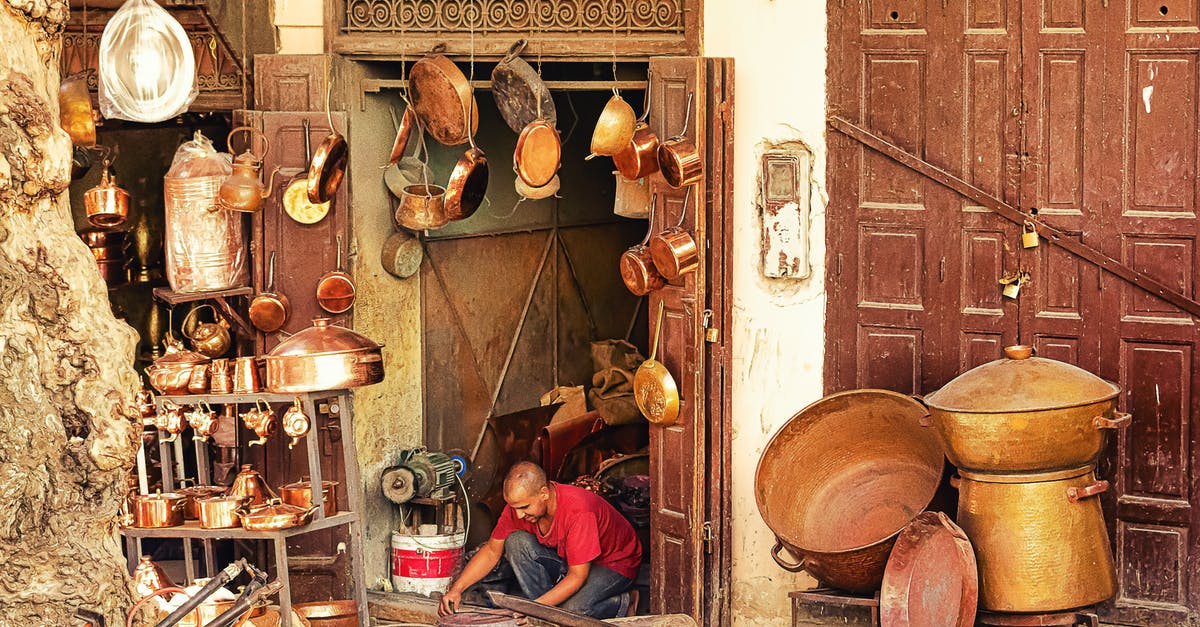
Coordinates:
521 96
442 98
654 389
329 164
296 202
335 289
468 182
269 309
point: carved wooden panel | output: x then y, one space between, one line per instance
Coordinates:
890 358
554 28
1152 565
892 84
290 82
1163 13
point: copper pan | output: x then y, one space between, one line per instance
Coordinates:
538 155
521 96
328 165
269 310
674 250
639 158
468 182
296 202
335 289
654 389
442 98
637 267
404 131
678 160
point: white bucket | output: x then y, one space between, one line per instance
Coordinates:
424 564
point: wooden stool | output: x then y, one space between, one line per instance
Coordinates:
1060 619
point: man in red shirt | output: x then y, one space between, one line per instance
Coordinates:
567 547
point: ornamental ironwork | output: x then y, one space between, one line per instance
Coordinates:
515 16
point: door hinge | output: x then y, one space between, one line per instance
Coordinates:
707 534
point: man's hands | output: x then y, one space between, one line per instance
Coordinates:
451 601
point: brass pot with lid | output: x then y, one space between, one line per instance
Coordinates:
170 373
1025 413
324 357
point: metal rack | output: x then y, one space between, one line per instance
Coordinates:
339 403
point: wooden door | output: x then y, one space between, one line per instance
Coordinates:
678 452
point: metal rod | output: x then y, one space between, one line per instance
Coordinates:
555 615
376 85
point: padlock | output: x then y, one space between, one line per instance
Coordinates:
1012 284
712 334
1011 290
1029 235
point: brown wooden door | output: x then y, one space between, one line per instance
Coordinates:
678 453
1084 113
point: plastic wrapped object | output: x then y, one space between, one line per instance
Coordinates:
147 67
205 247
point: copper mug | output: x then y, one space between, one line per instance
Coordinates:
198 382
220 379
245 376
674 250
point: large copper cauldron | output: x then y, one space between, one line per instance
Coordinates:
842 478
1039 539
1025 414
324 357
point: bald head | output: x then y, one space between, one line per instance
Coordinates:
524 479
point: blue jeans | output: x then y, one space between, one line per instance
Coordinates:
538 568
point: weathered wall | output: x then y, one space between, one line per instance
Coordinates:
778 335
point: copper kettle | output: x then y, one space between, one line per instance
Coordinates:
244 190
149 577
107 204
250 484
210 339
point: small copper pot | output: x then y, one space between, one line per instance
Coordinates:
678 159
674 250
193 494
107 205
220 512
637 267
300 495
158 510
422 207
639 158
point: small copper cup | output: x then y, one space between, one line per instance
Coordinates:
245 376
198 382
220 379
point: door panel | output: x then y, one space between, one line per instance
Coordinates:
678 452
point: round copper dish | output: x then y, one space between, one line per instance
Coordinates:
339 613
324 357
932 579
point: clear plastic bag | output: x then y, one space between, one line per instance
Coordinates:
147 67
205 246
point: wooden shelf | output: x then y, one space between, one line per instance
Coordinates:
192 529
234 399
171 297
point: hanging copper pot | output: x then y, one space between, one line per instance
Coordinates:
335 289
468 182
674 250
442 98
679 161
1025 414
295 194
422 207
107 205
269 310
637 267
244 190
639 158
614 128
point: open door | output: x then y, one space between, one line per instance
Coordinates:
687 459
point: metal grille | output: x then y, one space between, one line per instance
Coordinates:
515 16
215 69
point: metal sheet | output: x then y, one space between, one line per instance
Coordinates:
931 578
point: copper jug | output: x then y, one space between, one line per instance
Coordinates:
170 420
261 420
149 577
220 379
244 190
250 484
107 205
210 339
245 376
203 420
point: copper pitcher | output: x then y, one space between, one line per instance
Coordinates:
107 205
203 420
149 577
250 484
198 381
220 379
261 420
210 339
245 376
244 190
295 423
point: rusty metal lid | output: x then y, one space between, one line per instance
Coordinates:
931 577
1021 382
323 338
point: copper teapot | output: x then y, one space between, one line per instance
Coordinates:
295 423
170 420
107 204
244 190
203 420
261 421
210 339
250 484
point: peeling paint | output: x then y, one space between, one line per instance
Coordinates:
1147 92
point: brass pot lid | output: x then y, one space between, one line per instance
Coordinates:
323 338
1021 382
201 491
158 496
307 485
177 354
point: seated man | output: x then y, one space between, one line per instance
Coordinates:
567 546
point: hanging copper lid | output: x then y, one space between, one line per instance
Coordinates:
1021 382
324 338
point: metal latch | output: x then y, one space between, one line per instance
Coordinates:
712 334
706 532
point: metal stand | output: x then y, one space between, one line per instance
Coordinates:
846 608
1057 619
339 402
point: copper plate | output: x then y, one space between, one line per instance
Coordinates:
538 153
931 579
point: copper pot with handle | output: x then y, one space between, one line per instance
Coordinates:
161 509
107 204
637 267
639 158
269 309
679 161
300 495
324 357
274 516
1025 414
442 98
220 511
1039 538
335 289
674 250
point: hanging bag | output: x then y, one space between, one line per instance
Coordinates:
147 68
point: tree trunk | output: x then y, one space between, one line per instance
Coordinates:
68 430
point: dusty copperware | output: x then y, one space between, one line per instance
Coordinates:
244 190
674 250
443 99
300 495
107 205
932 578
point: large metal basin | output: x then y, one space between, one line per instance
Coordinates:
842 478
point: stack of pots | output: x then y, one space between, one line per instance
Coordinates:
1025 434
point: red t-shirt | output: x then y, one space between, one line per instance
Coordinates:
585 529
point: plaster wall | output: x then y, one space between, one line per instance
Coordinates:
778 335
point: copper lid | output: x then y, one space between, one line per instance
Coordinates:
177 354
1021 382
306 484
323 338
931 576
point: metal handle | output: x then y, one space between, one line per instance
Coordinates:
1120 420
792 568
259 442
954 529
252 132
1074 494
955 482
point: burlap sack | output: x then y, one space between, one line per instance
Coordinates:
612 396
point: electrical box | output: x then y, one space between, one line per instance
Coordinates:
784 201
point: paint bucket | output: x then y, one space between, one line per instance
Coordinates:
424 564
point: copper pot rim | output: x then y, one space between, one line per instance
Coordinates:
307 485
435 80
532 134
333 609
1027 477
468 181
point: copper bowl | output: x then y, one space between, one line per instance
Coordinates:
341 613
